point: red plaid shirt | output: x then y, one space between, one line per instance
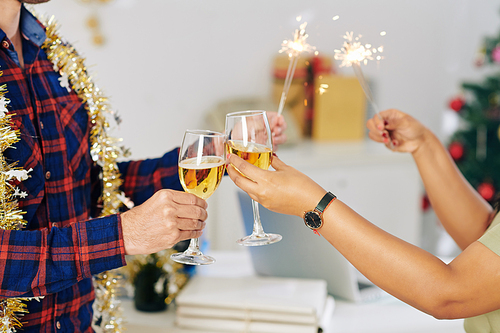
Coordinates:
62 246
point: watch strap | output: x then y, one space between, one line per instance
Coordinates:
325 201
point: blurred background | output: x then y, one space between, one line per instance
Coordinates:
165 64
168 66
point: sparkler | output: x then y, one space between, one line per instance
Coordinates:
353 54
293 48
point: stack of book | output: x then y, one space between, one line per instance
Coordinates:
254 304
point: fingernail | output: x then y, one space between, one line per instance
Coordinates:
228 155
386 140
394 143
274 154
386 123
384 135
380 127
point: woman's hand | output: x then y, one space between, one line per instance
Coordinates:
406 133
277 124
285 190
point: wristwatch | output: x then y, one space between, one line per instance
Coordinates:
314 218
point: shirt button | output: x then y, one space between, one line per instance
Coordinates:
5 44
41 125
58 325
47 175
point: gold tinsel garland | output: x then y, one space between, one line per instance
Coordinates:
11 217
104 151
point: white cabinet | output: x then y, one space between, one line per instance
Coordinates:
381 185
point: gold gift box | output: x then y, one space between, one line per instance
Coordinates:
339 109
300 99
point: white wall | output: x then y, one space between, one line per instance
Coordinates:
168 62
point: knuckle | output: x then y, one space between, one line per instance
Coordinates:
264 195
202 214
168 210
175 234
197 225
163 195
191 198
242 167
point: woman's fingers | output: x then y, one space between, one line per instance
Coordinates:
242 173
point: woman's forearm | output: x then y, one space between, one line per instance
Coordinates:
400 268
463 212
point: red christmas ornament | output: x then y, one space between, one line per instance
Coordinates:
425 202
457 104
456 150
486 190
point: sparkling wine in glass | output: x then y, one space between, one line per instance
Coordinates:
201 168
248 136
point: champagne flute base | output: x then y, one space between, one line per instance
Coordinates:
192 258
259 240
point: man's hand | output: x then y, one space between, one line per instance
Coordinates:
165 219
277 124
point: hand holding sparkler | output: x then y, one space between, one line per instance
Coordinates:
293 48
408 134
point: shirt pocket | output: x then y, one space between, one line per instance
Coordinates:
66 137
76 129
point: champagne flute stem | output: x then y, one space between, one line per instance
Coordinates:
257 225
194 246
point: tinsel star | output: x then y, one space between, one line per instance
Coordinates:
3 106
64 81
20 193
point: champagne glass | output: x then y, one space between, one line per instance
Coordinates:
248 136
201 168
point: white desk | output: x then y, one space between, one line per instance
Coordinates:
388 315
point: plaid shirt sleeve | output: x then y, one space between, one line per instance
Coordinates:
143 178
36 263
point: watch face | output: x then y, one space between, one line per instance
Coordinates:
312 220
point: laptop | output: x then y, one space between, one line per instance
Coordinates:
292 256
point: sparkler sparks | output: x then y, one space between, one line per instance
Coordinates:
293 48
298 45
353 52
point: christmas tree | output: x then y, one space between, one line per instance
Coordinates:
476 146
